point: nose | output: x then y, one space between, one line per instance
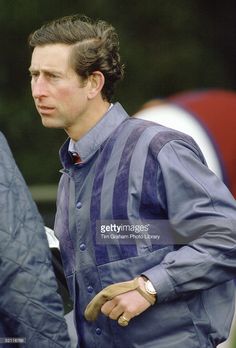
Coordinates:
38 87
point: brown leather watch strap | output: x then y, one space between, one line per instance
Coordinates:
150 298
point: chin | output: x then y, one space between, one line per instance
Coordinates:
49 123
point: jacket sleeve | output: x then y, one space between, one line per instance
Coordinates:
30 307
202 213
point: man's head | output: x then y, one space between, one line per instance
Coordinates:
95 47
74 68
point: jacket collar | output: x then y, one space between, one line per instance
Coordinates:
89 144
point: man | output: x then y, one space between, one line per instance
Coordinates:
30 309
121 173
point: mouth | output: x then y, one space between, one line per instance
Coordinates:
45 110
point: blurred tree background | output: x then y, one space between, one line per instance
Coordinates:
167 47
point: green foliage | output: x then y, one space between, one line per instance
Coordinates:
167 47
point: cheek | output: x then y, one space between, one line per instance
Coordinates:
65 93
71 103
70 94
73 95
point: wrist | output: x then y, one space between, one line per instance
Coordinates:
147 287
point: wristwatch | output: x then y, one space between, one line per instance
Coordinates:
149 287
147 290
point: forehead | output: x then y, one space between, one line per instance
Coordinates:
54 56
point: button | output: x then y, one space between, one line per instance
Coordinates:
98 331
79 205
90 289
82 246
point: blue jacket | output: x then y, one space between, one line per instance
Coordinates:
137 171
31 313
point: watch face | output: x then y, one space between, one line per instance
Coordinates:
150 288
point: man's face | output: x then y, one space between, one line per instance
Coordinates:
59 94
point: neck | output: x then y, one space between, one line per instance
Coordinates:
89 119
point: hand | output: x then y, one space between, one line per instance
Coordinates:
128 305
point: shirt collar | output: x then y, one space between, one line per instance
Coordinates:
88 145
74 146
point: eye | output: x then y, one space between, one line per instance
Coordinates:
34 74
52 76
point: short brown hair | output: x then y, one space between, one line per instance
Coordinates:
96 47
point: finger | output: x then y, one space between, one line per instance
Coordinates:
124 319
127 316
116 312
108 307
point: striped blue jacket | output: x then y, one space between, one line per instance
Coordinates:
136 172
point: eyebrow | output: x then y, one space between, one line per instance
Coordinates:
45 70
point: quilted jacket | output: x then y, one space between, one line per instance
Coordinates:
31 312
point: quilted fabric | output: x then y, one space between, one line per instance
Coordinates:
30 307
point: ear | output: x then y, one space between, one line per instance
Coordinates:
96 82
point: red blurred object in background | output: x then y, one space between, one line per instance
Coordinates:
209 115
